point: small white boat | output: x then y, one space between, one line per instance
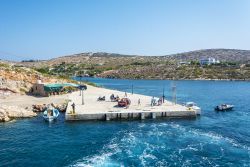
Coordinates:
224 107
193 106
50 114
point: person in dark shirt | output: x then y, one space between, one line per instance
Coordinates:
73 107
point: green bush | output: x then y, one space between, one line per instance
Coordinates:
43 70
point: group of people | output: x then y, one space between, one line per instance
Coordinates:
154 101
101 98
158 102
114 98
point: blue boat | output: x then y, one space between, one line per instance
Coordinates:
50 114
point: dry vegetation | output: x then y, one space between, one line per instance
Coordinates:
20 79
235 65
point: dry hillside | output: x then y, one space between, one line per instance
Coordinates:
20 79
235 64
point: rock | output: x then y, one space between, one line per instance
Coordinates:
3 116
61 107
17 112
39 108
42 108
8 112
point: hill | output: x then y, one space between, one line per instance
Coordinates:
235 64
20 79
226 55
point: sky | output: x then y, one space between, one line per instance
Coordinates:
44 29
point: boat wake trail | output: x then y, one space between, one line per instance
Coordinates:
165 144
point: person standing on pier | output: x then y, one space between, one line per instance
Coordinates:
139 102
152 101
73 107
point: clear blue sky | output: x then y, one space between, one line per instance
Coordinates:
43 29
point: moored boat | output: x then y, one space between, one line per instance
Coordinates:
193 106
50 114
224 107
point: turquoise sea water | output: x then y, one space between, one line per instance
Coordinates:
214 139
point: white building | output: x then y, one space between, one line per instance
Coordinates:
209 61
184 63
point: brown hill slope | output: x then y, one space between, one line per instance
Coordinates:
224 55
229 55
235 65
20 79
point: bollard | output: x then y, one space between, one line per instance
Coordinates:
153 115
107 117
142 116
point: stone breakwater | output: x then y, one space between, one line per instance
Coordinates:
7 113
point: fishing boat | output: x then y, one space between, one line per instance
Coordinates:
50 114
193 106
224 107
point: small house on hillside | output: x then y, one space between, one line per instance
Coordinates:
184 62
43 89
209 61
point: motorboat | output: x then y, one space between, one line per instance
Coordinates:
193 106
224 107
50 114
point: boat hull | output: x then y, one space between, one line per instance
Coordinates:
51 118
223 109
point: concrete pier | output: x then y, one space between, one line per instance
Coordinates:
88 108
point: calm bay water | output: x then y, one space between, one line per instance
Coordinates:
214 139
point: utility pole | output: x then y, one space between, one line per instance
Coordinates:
80 81
132 89
82 97
174 100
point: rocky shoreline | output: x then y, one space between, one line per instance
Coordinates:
8 113
16 101
18 106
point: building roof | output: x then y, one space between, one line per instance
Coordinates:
58 86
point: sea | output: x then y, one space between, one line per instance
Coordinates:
213 139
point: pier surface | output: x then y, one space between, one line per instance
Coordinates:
107 110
